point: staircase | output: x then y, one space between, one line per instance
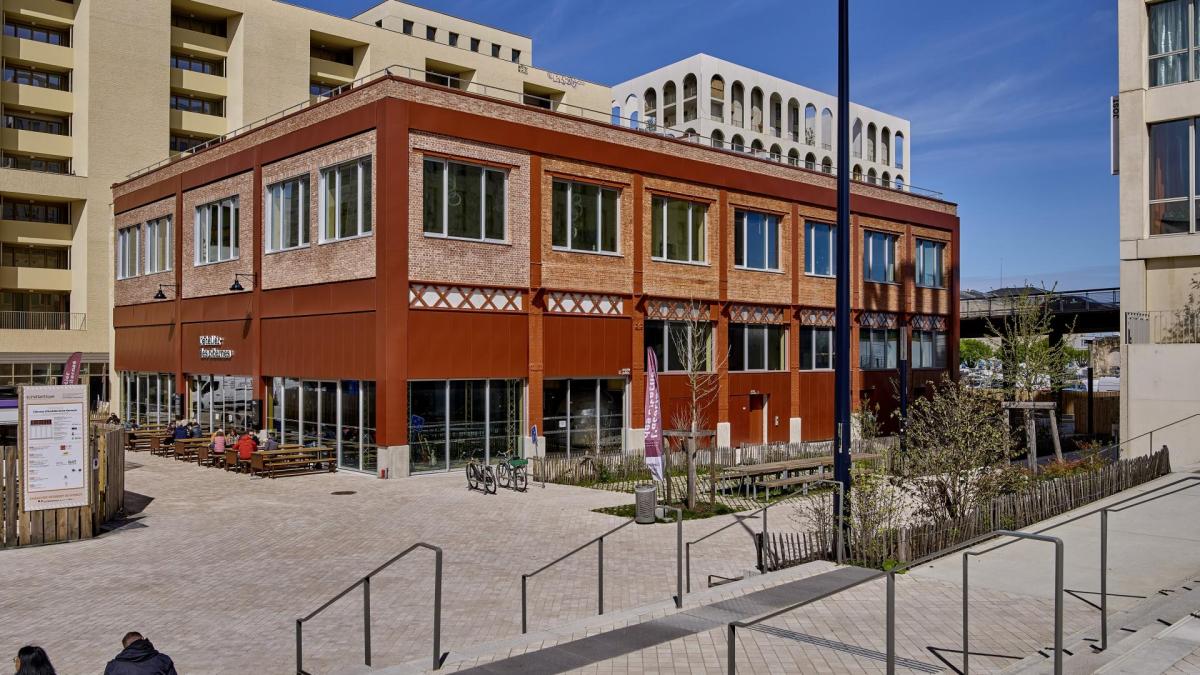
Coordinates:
1160 634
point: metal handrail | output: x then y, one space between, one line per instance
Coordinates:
20 320
731 634
599 541
365 582
1151 433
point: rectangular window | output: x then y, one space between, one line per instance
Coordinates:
928 349
463 201
45 124
474 44
584 217
41 257
929 263
679 345
37 78
878 348
159 252
24 31
287 214
202 106
207 26
407 27
36 164
679 231
198 65
756 241
496 51
757 347
217 231
879 257
819 248
816 348
37 212
1172 191
583 416
320 89
127 251
453 38
184 143
1169 42
516 56
430 33
345 198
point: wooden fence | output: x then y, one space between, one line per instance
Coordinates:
1043 500
106 488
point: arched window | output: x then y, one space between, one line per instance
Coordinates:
737 96
899 151
810 124
886 179
871 142
827 165
631 110
668 105
756 147
650 104
857 173
899 182
756 110
885 146
826 129
776 153
871 177
794 120
776 116
718 139
810 161
736 143
689 98
794 157
856 139
616 113
716 99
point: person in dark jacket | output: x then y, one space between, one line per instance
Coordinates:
32 660
139 658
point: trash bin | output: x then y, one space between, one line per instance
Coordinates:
646 500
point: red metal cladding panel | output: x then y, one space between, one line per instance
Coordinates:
879 389
467 345
776 387
233 340
324 346
577 346
816 405
145 348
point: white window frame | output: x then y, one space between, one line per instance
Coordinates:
809 249
445 219
739 232
1193 196
1190 50
272 225
765 330
940 276
922 339
569 247
811 332
661 256
366 191
202 228
869 255
872 334
128 245
669 344
159 227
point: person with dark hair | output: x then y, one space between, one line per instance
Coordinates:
139 657
31 660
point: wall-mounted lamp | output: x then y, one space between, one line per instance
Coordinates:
237 283
159 295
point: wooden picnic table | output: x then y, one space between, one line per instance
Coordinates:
186 448
746 475
292 459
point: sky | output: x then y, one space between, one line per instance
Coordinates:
1008 102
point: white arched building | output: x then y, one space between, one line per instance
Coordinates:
736 108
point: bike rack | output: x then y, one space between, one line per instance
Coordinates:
599 541
365 582
731 634
739 520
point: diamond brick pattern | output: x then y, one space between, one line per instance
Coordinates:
438 296
878 320
817 316
757 314
584 303
928 322
675 310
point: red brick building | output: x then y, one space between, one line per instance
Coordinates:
427 273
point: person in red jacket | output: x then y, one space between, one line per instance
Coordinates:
245 445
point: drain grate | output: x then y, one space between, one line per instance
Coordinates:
344 492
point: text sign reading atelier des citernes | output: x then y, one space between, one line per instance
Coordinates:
210 348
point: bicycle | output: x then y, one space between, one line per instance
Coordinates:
513 472
480 476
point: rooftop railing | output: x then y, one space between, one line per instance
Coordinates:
11 320
1163 327
1061 302
650 124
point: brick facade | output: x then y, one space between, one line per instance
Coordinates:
141 289
215 278
579 271
699 281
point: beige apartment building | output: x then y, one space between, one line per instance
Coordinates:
1156 156
94 90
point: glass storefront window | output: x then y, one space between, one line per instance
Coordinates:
584 416
335 414
147 397
451 422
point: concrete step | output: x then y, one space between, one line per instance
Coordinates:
1160 653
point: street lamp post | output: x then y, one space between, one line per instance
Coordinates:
841 389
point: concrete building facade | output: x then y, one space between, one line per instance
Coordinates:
1156 125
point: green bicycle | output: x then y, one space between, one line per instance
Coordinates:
512 472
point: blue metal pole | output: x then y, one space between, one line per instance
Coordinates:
841 389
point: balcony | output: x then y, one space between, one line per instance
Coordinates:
29 278
38 53
199 43
42 321
35 143
54 11
330 71
1163 327
41 234
38 99
197 123
191 82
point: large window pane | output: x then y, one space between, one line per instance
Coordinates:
555 394
756 250
756 348
776 347
677 230
505 418
467 421
608 221
369 448
585 217
558 216
1169 161
1168 34
1169 217
349 432
310 411
290 427
658 227
348 200
427 425
612 415
737 347
583 417
432 195
464 202
493 204
699 243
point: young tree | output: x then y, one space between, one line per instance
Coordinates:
1029 360
958 451
692 345
972 351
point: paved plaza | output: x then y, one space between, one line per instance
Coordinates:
216 567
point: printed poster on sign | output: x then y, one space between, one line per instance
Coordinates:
53 439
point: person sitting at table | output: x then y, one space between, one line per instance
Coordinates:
218 441
246 445
182 430
270 443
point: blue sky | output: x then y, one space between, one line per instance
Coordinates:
1008 101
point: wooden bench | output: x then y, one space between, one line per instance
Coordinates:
232 463
186 448
292 460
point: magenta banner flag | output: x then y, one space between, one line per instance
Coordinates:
654 438
71 369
